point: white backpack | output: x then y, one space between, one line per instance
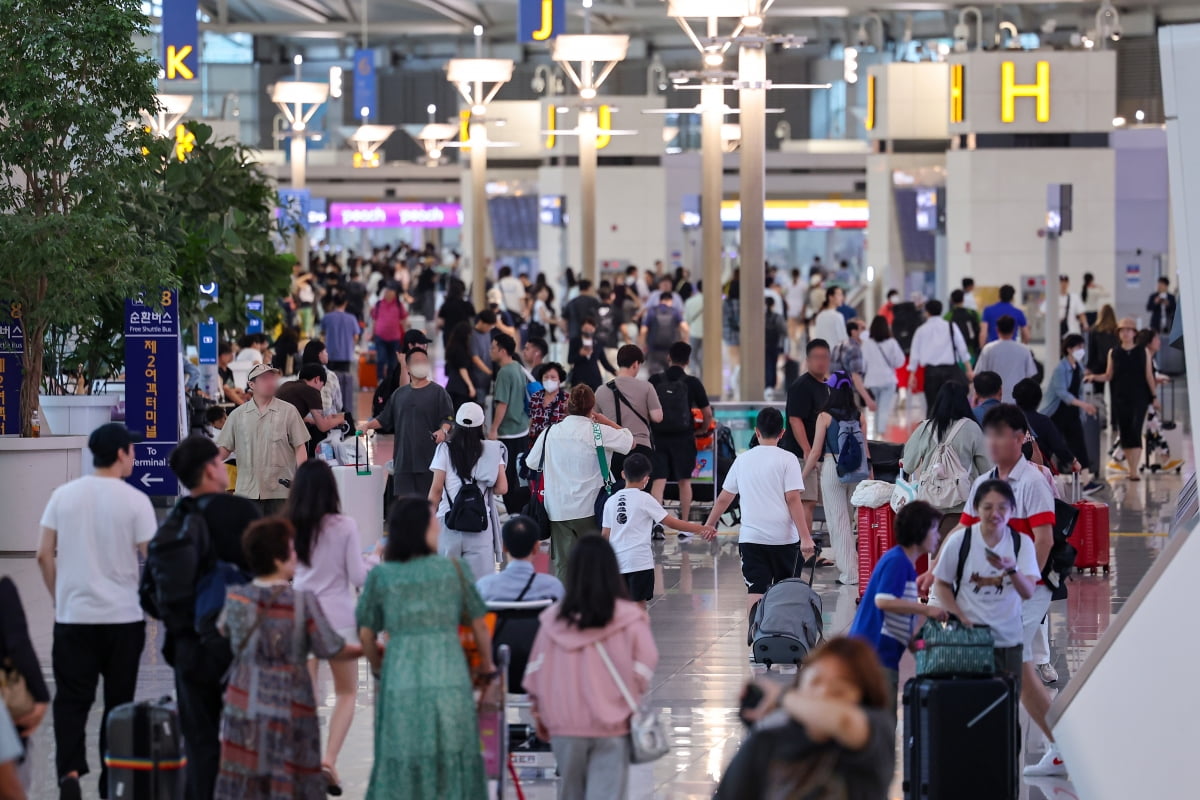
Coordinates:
945 482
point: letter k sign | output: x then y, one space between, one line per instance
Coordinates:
176 68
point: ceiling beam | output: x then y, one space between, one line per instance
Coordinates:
464 12
324 30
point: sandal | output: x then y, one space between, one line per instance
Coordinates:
332 787
825 562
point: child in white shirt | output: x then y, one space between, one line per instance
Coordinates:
629 519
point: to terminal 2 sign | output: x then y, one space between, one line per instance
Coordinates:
152 389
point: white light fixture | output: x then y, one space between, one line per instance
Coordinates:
752 21
477 30
431 109
367 139
724 9
482 70
1139 115
297 59
850 64
595 47
335 81
1118 122
171 108
299 92
714 58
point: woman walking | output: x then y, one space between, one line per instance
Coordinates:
589 646
458 365
16 651
332 567
1131 378
270 738
469 459
388 316
952 421
548 405
882 356
1102 337
842 407
1064 402
568 456
426 729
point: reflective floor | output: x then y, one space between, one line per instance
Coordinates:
699 620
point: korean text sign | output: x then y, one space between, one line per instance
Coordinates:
152 388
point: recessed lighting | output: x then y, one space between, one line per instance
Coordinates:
1139 115
1118 122
752 21
714 59
297 59
478 30
587 93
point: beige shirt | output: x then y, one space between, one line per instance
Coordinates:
641 397
264 442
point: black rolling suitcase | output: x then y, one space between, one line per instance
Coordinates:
145 757
961 739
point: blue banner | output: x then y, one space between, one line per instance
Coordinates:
206 342
181 40
152 389
541 20
254 310
12 347
366 88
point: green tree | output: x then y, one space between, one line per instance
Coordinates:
220 222
71 159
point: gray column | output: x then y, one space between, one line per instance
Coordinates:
752 66
478 133
588 125
712 99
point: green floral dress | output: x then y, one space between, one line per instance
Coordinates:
426 729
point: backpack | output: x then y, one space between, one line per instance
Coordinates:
468 511
775 331
664 330
849 445
786 624
676 403
168 587
965 320
606 325
944 482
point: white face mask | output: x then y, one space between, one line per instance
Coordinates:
1079 353
419 371
588 341
550 386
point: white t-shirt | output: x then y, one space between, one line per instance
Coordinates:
987 595
100 522
485 472
762 475
830 325
630 515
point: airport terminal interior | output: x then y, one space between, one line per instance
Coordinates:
328 257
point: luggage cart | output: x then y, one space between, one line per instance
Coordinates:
493 730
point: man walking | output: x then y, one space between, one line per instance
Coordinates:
674 438
481 353
269 439
806 399
774 541
200 661
662 327
510 418
341 331
1005 307
939 347
92 531
633 403
1006 357
585 306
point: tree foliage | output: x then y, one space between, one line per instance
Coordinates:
71 162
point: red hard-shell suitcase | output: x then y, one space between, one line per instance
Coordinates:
876 535
1091 534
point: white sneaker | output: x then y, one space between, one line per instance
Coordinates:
1058 788
1048 673
1051 765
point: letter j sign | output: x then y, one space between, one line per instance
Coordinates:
541 20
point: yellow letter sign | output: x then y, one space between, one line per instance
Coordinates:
1010 90
175 66
869 123
957 93
547 29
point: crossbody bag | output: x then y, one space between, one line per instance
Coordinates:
648 738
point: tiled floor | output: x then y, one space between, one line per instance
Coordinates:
699 621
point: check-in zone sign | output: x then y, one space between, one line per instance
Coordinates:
541 20
181 40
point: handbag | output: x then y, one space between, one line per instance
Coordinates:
648 738
950 649
606 491
15 692
466 633
535 509
904 492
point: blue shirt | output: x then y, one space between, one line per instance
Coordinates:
993 313
506 586
340 328
982 409
894 577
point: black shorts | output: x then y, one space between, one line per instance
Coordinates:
764 565
674 457
641 585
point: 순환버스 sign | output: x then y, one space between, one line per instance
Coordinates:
12 348
152 388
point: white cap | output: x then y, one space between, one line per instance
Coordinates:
470 415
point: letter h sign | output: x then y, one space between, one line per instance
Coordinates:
1010 90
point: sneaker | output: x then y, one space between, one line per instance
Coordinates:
1058 788
684 535
658 535
1047 673
1117 466
1092 487
68 789
1051 765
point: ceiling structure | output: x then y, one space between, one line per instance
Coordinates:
833 20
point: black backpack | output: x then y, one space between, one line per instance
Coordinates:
606 325
468 511
676 403
173 563
965 320
775 330
665 331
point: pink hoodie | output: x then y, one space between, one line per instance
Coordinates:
572 689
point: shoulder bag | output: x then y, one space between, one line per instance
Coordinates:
648 739
14 692
535 509
606 491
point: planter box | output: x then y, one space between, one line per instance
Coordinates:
30 470
76 415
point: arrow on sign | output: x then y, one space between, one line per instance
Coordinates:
147 480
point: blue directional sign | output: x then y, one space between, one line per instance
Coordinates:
12 348
295 204
541 20
181 40
254 312
366 87
152 389
206 343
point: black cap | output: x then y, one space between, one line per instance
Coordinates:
415 337
110 439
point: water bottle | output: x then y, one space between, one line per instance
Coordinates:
362 456
36 424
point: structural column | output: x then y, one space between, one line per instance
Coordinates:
479 210
588 126
299 158
712 168
752 67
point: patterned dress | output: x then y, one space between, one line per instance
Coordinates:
270 738
426 730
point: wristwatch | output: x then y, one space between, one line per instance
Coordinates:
1011 571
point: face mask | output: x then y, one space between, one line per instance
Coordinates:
630 281
587 341
550 386
419 371
1079 353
